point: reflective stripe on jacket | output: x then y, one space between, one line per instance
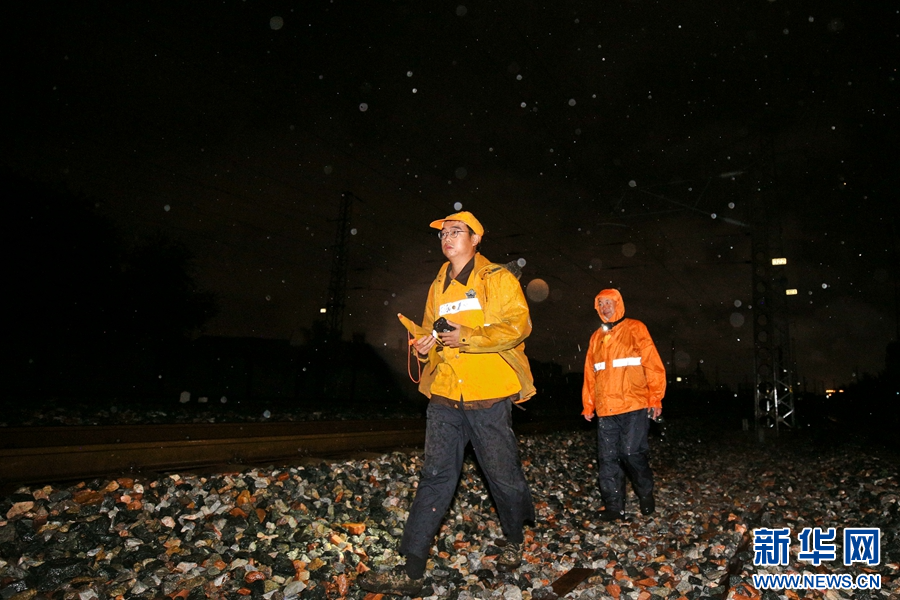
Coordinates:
622 370
490 362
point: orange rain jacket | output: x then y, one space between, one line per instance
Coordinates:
491 361
622 371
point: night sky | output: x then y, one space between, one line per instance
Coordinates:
609 144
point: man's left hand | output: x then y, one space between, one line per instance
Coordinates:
450 339
654 411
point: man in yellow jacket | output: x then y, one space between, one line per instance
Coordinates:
474 370
624 384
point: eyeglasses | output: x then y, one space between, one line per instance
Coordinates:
450 233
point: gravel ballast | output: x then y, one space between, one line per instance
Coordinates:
309 529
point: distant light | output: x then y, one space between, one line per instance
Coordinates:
323 310
790 292
779 261
829 391
678 379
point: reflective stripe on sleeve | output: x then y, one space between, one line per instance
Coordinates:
459 306
599 366
631 361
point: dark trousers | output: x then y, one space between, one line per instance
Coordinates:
447 432
622 447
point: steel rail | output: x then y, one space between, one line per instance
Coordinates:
45 454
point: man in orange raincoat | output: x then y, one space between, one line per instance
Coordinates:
624 384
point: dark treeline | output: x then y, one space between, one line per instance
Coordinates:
87 306
867 405
95 316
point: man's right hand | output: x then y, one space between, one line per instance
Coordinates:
424 344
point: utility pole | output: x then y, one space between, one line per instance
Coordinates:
774 393
337 282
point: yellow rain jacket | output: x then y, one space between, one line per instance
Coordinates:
622 370
490 362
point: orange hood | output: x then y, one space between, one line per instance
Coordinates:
616 297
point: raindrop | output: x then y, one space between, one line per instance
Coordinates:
328 169
785 31
409 73
629 249
737 319
571 101
737 303
363 107
731 205
166 208
461 11
824 286
713 215
537 290
267 414
521 262
415 90
353 231
268 297
519 77
223 400
522 105
457 206
632 183
461 173
811 19
276 23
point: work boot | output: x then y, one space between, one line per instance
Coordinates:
510 558
395 583
608 516
648 505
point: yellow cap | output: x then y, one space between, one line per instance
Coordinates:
464 216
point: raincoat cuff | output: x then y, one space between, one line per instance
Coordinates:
465 334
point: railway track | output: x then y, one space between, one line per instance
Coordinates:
44 454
